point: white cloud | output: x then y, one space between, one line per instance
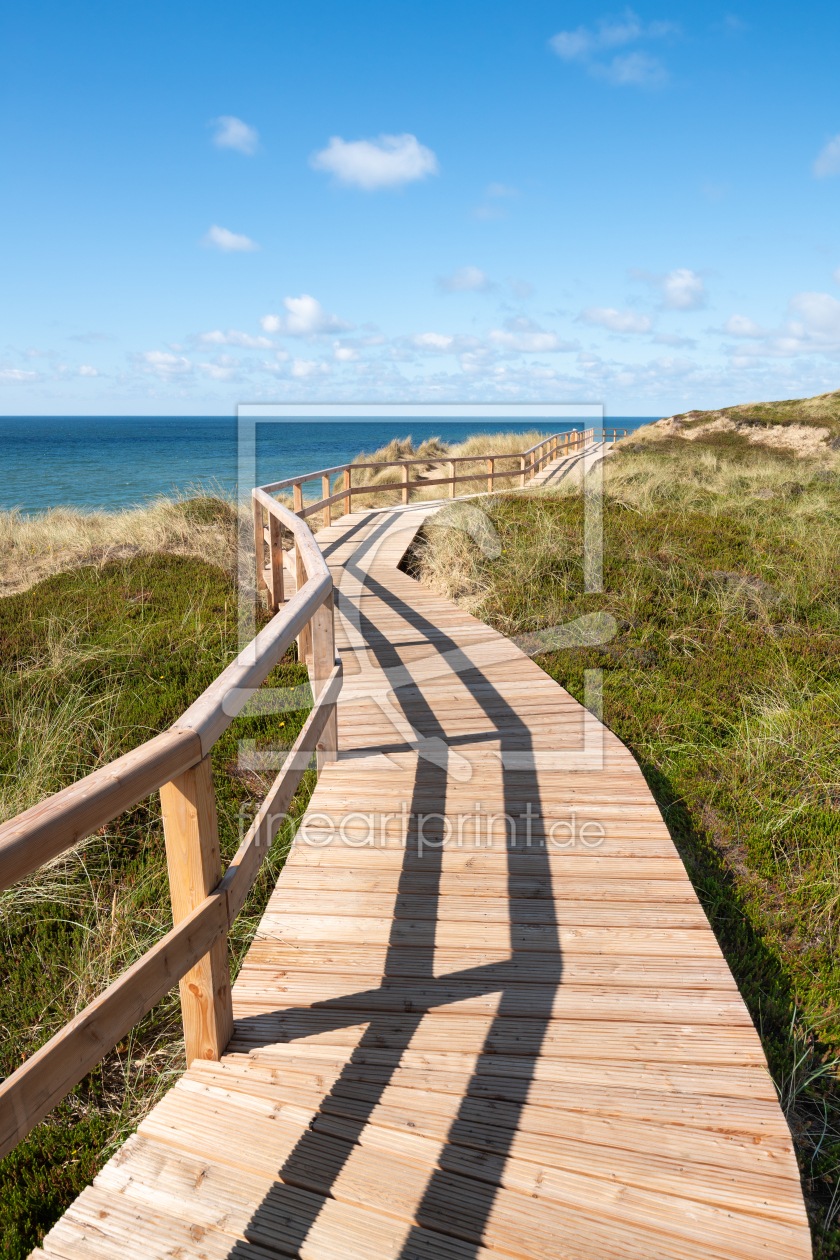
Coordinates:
636 69
827 161
524 337
345 354
306 318
433 341
309 367
87 370
229 242
167 366
17 376
384 163
234 338
682 289
743 326
233 133
573 45
224 370
616 321
835 275
820 315
814 329
466 280
500 190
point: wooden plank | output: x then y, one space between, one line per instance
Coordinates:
259 545
62 820
262 994
50 1073
566 886
269 954
194 862
323 665
685 1078
567 937
211 715
630 1041
275 546
460 909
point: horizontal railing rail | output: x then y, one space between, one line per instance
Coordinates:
552 447
204 903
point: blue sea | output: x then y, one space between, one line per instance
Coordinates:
113 462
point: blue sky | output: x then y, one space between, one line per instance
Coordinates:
209 205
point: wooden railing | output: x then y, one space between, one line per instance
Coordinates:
204 904
177 763
553 447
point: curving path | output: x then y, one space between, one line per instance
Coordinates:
470 1049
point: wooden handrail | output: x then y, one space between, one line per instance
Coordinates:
50 1073
204 905
274 486
547 450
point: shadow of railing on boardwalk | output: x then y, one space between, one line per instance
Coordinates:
451 1203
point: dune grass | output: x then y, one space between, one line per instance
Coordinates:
724 681
32 547
93 662
435 455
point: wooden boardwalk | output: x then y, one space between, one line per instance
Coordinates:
469 1049
580 461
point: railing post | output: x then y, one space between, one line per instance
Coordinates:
325 494
304 639
491 463
405 483
275 552
347 496
323 663
191 832
259 544
297 494
522 470
451 479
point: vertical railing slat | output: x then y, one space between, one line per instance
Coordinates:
325 494
193 857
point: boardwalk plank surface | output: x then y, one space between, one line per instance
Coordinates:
458 1035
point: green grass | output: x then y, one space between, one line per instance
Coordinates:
92 663
724 681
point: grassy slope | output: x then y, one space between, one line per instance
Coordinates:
822 410
93 662
728 695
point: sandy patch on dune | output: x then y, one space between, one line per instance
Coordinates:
802 439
